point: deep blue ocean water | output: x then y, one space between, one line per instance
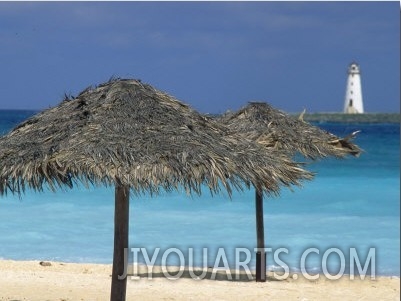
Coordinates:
351 203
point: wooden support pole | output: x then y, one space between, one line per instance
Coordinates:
260 233
121 225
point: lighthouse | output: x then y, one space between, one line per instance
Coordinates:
353 94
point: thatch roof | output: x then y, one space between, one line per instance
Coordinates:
258 121
130 133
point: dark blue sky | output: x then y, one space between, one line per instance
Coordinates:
212 55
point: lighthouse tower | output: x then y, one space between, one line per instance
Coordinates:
353 95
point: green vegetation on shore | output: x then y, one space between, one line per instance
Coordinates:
345 118
351 118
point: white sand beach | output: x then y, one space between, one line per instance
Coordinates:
29 280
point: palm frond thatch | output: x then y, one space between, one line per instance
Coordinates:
258 121
128 132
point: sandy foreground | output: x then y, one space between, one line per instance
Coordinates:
29 280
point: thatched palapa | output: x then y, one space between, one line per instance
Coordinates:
260 122
129 134
275 129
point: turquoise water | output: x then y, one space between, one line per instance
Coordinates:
352 203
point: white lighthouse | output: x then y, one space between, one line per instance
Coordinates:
353 95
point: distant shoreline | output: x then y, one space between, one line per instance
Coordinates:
352 118
335 117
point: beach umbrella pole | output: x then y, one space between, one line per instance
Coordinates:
260 233
121 223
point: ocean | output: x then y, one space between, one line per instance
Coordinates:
352 206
